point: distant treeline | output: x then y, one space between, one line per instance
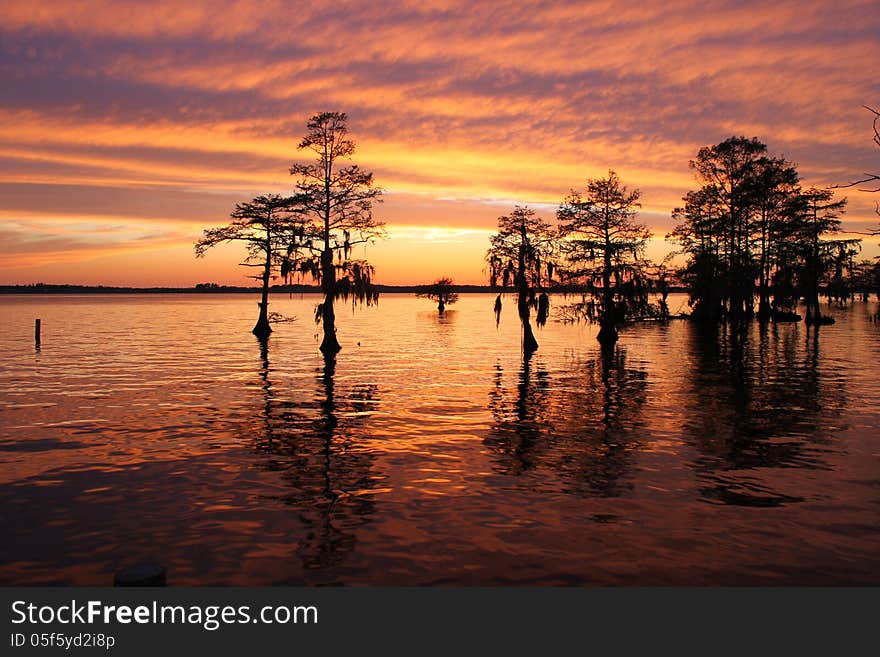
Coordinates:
213 288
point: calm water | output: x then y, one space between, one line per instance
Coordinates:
156 428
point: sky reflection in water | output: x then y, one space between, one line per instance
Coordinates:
432 453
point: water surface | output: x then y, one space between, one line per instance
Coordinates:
156 427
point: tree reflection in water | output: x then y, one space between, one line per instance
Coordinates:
756 403
580 431
312 443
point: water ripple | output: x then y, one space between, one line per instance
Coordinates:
431 452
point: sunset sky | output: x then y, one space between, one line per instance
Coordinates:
126 128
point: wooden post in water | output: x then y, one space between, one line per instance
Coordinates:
37 333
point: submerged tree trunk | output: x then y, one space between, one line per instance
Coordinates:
441 306
607 335
734 293
764 308
813 313
329 345
608 331
529 343
262 328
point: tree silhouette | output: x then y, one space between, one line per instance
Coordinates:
442 291
339 201
821 216
775 187
751 222
605 247
728 172
268 226
523 253
699 232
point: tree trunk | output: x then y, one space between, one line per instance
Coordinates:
529 343
262 328
607 335
813 312
734 303
441 306
764 277
608 322
330 345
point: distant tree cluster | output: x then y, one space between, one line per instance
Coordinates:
442 291
752 232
